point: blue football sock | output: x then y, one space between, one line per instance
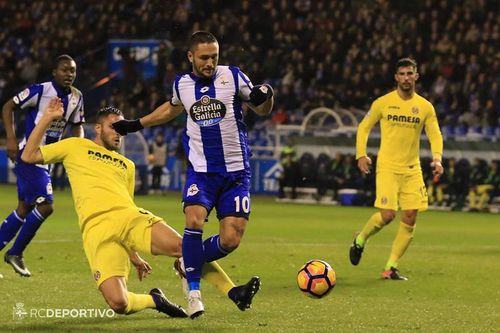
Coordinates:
192 252
212 249
32 222
9 228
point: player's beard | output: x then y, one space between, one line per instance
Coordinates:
111 144
201 73
406 87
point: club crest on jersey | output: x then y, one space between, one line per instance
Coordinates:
73 101
192 190
207 111
223 81
23 94
49 188
414 110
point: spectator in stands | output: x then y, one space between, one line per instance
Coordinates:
157 158
291 172
350 174
322 175
336 174
279 116
320 60
478 175
181 159
459 182
294 32
494 179
484 182
436 188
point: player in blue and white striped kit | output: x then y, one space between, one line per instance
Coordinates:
35 199
215 141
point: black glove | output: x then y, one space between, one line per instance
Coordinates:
261 93
127 126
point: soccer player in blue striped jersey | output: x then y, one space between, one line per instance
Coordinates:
215 141
35 199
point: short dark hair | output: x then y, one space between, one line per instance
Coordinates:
405 62
201 37
61 58
104 112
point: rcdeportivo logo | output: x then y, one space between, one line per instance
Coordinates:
108 159
207 111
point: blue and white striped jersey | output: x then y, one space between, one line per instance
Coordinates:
34 100
215 138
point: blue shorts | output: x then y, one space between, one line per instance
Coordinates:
228 192
33 183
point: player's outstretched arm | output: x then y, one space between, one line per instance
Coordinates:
8 121
31 153
262 99
162 114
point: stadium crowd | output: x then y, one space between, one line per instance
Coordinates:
316 53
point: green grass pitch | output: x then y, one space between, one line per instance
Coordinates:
453 267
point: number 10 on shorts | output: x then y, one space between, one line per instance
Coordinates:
242 204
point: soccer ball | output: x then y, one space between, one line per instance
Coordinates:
316 278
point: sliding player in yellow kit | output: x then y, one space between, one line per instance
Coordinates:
112 226
402 114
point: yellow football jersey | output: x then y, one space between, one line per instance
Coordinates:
401 124
101 180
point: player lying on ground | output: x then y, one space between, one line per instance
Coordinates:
113 227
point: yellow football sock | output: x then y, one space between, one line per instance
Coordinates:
374 224
400 244
216 276
139 302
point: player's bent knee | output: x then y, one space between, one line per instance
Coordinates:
409 217
167 248
175 249
119 308
195 223
230 243
118 304
45 208
388 216
409 221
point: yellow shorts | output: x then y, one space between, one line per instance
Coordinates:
110 236
406 191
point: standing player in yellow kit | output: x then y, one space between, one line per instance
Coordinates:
402 114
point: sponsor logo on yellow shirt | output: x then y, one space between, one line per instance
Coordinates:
108 159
